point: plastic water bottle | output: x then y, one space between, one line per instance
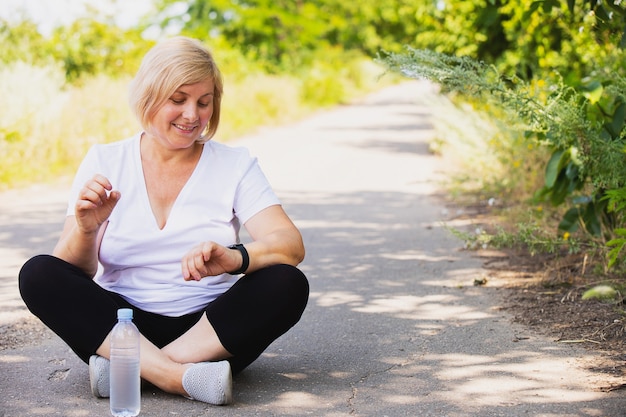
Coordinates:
124 378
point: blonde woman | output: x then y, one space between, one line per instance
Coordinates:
153 224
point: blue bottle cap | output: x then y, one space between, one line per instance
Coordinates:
124 313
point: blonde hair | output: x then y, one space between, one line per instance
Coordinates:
167 66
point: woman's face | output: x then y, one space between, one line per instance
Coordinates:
184 116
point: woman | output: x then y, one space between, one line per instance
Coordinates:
153 224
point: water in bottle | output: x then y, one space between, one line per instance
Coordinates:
125 381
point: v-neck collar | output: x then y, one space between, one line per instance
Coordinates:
180 198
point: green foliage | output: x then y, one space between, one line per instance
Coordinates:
587 137
88 47
556 116
527 38
462 28
335 76
276 34
22 42
528 235
616 245
562 176
616 203
258 100
85 48
285 35
572 51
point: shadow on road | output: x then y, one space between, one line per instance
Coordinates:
395 326
29 225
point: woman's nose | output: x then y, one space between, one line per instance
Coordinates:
190 113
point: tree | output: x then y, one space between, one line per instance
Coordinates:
22 42
88 47
279 33
286 34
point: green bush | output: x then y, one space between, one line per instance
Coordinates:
584 130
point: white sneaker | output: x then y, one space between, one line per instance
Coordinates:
99 376
210 382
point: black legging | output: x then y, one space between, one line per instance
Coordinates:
254 312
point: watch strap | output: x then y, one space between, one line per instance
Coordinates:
245 258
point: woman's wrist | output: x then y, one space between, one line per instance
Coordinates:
245 258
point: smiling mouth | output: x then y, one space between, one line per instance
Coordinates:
185 128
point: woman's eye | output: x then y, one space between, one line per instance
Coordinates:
177 101
204 104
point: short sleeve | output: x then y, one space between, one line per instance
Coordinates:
254 192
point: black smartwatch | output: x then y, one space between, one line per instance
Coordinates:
244 256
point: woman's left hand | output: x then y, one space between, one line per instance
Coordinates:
209 259
275 240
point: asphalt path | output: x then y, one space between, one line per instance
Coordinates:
394 326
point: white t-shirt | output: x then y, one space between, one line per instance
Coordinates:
142 262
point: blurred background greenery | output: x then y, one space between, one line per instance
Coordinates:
63 88
537 86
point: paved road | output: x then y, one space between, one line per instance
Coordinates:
394 326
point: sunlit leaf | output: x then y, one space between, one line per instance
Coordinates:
593 91
552 169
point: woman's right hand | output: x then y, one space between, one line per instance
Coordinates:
96 201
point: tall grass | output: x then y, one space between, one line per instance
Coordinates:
47 126
30 101
487 157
